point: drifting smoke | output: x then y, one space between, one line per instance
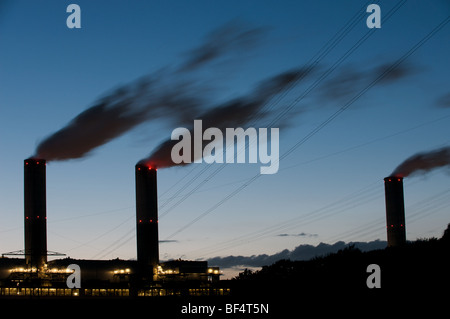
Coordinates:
117 114
236 113
239 112
173 95
444 101
232 37
88 131
351 79
423 162
178 95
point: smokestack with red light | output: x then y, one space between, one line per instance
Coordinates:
147 216
35 209
395 211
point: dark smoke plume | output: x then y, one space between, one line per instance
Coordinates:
171 94
145 100
444 101
233 37
423 162
351 79
235 113
240 112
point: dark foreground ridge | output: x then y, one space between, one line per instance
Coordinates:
422 265
419 270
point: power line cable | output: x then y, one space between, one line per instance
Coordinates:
311 65
326 122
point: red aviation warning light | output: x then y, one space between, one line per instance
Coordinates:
145 167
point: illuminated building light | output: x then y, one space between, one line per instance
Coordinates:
122 271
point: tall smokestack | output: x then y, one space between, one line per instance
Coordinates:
395 211
35 209
147 216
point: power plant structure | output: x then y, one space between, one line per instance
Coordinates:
395 211
147 218
34 275
35 211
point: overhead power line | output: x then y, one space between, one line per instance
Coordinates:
326 122
310 66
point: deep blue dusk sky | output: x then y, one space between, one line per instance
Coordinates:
329 188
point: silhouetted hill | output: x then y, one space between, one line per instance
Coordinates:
419 268
301 252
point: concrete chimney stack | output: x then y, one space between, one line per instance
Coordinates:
35 210
395 211
147 216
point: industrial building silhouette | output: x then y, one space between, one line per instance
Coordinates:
34 275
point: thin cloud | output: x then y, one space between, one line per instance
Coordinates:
168 241
298 235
